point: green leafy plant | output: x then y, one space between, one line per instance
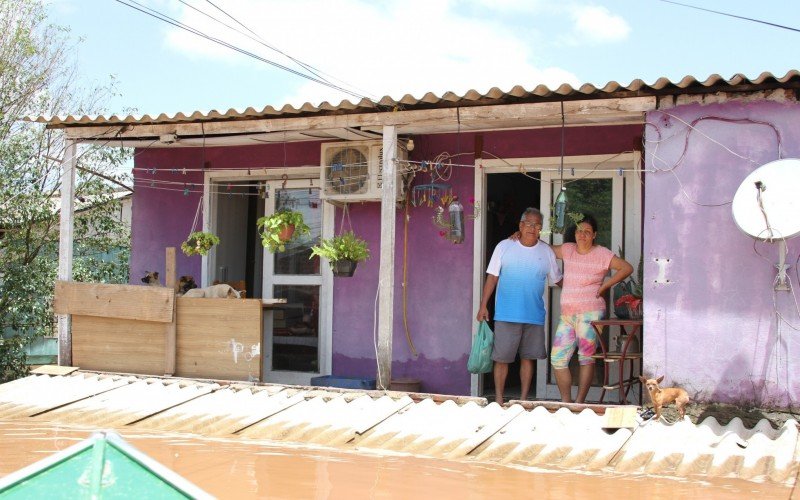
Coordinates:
346 246
276 232
574 217
199 243
12 358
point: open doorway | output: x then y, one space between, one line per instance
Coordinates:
507 196
239 256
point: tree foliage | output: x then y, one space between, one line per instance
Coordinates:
38 78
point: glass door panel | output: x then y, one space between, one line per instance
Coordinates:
601 195
295 329
592 196
296 259
292 330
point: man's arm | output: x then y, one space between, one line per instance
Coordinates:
488 289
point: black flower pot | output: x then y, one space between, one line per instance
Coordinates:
344 268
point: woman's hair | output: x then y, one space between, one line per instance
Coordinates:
589 219
569 233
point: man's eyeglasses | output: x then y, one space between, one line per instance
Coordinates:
534 225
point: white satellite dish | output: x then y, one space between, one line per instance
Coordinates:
767 207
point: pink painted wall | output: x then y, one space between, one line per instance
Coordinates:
439 310
713 329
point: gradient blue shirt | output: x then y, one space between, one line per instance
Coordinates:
523 273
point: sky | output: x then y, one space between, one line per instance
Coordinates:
396 47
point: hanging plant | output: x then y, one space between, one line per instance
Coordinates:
343 252
280 228
574 217
199 243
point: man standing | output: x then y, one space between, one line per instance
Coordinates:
519 270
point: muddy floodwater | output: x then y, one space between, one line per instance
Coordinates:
238 468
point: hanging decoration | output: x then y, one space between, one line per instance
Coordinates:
558 217
441 169
198 242
452 225
344 251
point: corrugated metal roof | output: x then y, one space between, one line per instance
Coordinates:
518 94
394 422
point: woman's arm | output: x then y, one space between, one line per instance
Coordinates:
622 269
556 248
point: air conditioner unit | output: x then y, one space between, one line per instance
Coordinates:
353 171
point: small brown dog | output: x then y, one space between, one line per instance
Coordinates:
151 278
665 396
186 283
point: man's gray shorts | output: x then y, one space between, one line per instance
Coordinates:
526 338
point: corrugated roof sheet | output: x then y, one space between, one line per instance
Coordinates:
517 94
394 422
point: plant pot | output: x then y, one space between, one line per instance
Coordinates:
344 268
286 233
634 312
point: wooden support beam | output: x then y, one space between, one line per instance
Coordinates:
386 271
171 328
473 117
65 239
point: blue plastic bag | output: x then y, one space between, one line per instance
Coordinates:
480 357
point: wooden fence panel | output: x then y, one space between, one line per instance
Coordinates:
144 303
118 345
219 338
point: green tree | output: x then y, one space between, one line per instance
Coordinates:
37 77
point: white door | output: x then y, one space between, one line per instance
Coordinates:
608 186
294 339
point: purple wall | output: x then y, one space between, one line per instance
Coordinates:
712 329
440 314
439 310
163 215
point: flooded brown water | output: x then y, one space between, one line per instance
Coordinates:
239 468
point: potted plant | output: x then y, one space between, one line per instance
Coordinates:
280 228
628 296
344 252
199 243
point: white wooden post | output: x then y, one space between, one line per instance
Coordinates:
386 272
66 236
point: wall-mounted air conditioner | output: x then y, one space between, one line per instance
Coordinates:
353 171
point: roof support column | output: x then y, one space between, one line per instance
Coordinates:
65 242
386 272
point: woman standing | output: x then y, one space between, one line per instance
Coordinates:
585 268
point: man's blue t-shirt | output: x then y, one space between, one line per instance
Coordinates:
522 273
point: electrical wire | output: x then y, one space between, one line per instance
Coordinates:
258 39
774 25
169 20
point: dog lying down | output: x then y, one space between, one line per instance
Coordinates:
214 292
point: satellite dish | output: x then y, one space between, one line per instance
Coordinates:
767 207
767 204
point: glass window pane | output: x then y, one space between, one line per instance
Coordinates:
295 260
591 196
295 329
